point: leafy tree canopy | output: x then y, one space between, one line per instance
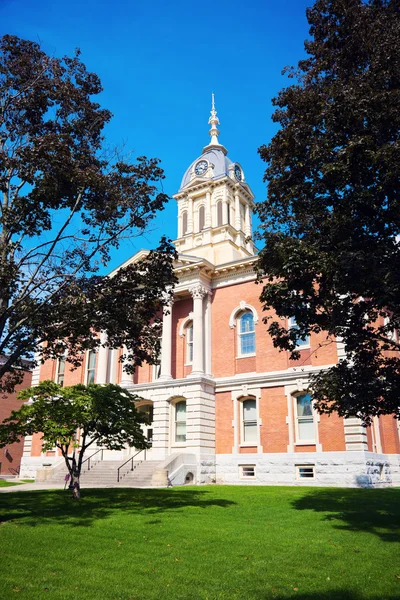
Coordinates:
331 220
75 417
66 200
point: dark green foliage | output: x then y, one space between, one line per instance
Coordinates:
332 214
66 200
75 417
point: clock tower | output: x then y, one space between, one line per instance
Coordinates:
215 205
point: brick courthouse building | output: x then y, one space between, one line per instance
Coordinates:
224 404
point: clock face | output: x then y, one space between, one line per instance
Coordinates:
238 173
201 167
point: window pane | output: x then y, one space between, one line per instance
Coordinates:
219 214
180 435
92 359
201 218
180 411
247 343
249 410
304 408
184 223
246 323
61 366
90 376
250 431
306 429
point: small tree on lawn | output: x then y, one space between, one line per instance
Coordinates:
76 417
331 222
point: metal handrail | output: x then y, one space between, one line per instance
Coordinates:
130 459
91 456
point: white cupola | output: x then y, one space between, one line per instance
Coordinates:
215 205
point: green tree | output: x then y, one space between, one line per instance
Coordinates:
331 220
75 417
66 201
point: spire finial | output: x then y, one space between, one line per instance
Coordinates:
213 121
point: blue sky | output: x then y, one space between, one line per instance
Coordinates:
159 62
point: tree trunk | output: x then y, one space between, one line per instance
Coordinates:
75 486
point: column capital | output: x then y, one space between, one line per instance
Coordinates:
198 291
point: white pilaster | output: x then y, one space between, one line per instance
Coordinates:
208 336
247 225
166 343
198 292
208 210
126 378
237 212
190 215
102 359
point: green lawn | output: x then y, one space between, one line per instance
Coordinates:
5 483
208 543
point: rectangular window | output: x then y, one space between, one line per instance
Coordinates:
305 471
249 421
301 342
189 344
180 421
247 471
60 371
91 366
304 419
247 334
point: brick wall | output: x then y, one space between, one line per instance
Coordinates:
10 457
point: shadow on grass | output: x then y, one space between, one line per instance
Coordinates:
46 506
341 594
372 511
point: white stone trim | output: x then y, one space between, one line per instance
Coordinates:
184 324
238 396
242 307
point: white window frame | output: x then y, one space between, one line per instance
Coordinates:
87 367
243 468
298 441
242 423
308 467
189 343
175 442
307 343
59 360
240 354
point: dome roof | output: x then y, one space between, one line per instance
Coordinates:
216 158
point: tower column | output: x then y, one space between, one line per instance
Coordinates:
126 378
247 226
237 212
208 210
102 361
225 208
198 292
190 215
166 342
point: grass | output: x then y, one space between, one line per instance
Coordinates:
201 543
5 483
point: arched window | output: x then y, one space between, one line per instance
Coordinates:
201 217
184 223
249 422
219 214
305 426
180 421
246 334
189 342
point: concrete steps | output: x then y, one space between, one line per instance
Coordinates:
104 474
